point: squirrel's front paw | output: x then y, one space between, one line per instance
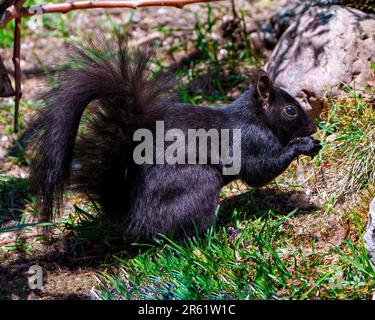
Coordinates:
308 146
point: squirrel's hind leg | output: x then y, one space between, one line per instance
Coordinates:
176 201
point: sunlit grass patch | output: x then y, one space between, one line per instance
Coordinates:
244 265
255 263
347 161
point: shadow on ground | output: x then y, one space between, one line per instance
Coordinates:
71 257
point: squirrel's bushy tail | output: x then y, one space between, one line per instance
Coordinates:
114 84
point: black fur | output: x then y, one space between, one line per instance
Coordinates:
112 84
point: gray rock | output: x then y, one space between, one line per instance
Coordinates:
291 10
288 13
369 236
324 48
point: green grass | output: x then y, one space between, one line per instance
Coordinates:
13 198
349 144
6 35
216 266
207 76
253 265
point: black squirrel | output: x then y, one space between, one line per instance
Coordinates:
116 88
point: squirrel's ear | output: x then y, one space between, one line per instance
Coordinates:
264 87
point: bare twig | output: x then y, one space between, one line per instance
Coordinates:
17 69
17 60
11 12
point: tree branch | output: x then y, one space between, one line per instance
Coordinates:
64 7
17 70
17 62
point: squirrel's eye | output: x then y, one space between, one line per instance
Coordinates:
290 111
